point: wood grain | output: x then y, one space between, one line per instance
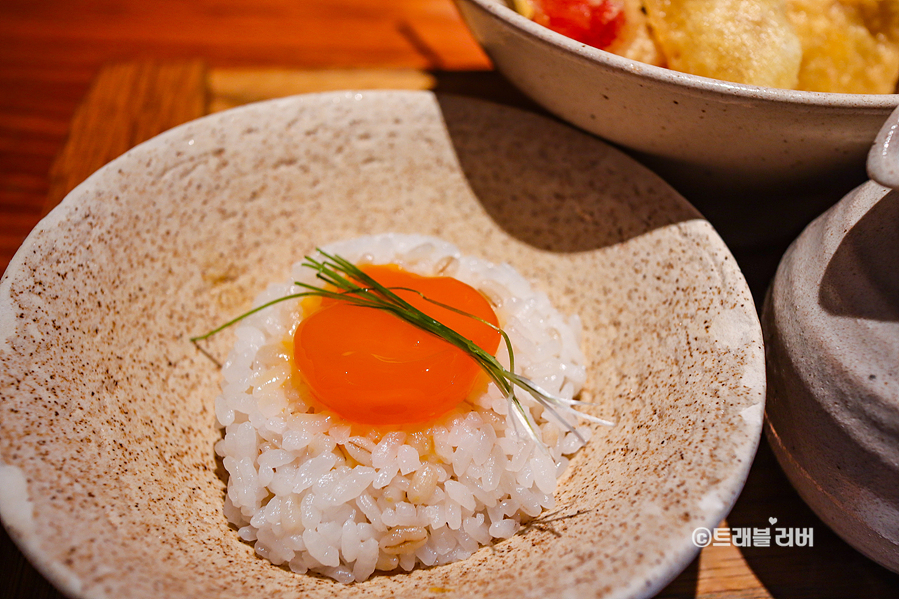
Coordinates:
234 87
131 102
127 104
52 51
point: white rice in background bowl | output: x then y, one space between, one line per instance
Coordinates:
314 496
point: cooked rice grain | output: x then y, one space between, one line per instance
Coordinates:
318 494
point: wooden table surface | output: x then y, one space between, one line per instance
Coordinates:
81 82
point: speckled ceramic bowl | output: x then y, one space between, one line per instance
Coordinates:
697 131
109 481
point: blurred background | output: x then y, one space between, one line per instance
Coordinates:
83 81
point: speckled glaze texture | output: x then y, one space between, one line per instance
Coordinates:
695 128
831 325
106 421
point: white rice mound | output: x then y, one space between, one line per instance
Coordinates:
313 497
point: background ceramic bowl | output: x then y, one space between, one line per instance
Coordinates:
691 128
108 480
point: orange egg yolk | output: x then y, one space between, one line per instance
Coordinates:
370 366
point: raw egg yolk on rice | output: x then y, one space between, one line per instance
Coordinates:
372 367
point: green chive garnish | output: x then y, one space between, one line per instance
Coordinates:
349 283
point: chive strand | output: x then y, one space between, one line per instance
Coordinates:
355 286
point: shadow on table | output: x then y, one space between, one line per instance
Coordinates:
19 574
830 569
685 585
484 85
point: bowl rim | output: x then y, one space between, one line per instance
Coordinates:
499 10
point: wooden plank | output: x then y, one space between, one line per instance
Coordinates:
228 88
425 34
128 103
52 51
233 87
131 102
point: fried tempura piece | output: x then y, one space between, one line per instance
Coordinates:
745 41
635 40
849 46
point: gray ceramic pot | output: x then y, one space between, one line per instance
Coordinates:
831 324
